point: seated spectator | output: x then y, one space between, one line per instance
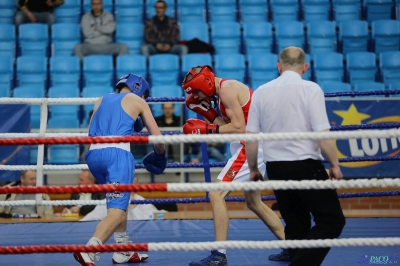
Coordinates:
27 178
85 178
135 211
161 34
213 151
39 11
169 119
98 27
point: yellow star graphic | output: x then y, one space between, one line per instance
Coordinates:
351 116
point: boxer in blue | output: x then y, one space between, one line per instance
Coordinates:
120 114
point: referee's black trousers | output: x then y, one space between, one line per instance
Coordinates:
295 207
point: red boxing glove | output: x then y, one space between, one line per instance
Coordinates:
197 126
202 107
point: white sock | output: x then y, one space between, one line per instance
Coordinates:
120 237
94 241
223 251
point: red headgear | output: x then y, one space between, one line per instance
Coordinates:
204 81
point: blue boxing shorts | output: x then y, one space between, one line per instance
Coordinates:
112 165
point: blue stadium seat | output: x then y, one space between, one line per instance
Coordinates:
63 121
133 63
65 71
63 154
230 66
64 38
394 86
262 68
6 75
191 11
33 39
32 71
65 110
328 67
253 10
8 9
289 33
257 37
107 6
284 10
93 92
222 10
370 86
353 36
33 154
227 40
315 10
132 35
308 74
378 9
321 37
96 91
361 67
31 92
335 86
386 35
225 13
7 39
98 70
68 12
390 67
192 60
126 12
165 91
63 92
344 10
164 69
199 30
151 12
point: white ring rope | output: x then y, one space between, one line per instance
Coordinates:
344 242
49 100
46 167
285 185
276 136
52 202
390 133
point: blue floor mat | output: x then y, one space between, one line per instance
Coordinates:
188 231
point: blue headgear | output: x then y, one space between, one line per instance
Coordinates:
135 83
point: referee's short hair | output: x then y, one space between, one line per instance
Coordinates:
292 56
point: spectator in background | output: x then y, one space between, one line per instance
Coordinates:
213 151
134 211
40 11
161 34
169 119
85 178
27 178
98 26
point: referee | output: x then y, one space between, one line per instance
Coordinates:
290 104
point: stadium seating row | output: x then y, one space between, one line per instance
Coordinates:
127 11
164 69
317 37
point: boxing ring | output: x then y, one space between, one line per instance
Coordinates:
176 242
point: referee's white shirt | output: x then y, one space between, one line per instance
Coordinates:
288 104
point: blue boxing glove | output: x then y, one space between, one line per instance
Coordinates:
138 126
155 163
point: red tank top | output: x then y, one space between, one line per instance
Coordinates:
245 107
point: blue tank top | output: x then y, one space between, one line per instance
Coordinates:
110 119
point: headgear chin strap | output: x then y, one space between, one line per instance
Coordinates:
204 81
135 83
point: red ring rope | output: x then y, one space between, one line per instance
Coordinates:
73 140
85 188
72 248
